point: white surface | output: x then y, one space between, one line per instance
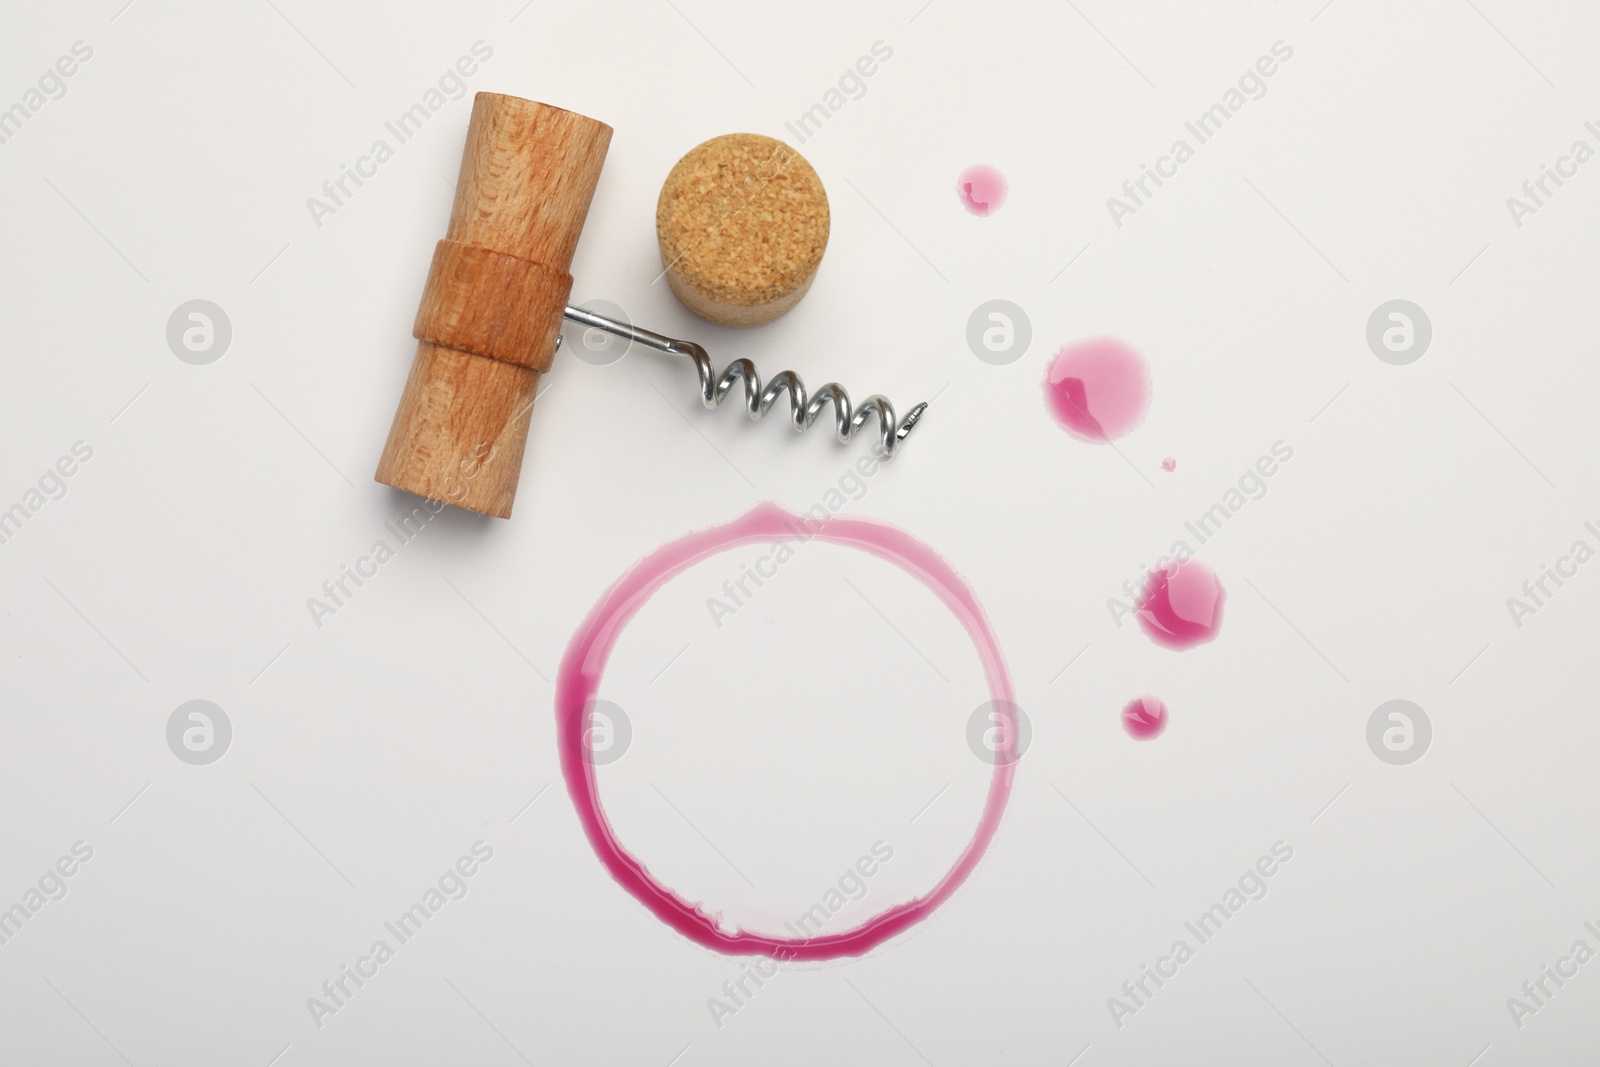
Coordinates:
370 754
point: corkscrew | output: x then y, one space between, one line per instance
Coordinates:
499 289
803 410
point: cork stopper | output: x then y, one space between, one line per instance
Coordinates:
742 222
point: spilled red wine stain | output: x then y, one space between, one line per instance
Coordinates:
1144 718
982 189
1169 464
1181 605
1098 389
585 662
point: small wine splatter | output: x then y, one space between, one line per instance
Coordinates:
1181 605
1144 718
1169 464
585 662
1098 389
982 189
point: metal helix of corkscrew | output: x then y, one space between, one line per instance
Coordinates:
803 409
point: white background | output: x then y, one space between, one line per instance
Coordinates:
772 752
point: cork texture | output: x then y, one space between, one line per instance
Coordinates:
742 222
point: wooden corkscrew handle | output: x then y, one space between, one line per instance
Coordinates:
491 309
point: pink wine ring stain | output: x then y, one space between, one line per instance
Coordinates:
585 662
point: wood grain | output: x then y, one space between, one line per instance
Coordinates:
491 308
492 304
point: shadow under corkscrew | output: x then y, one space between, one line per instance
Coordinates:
804 409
